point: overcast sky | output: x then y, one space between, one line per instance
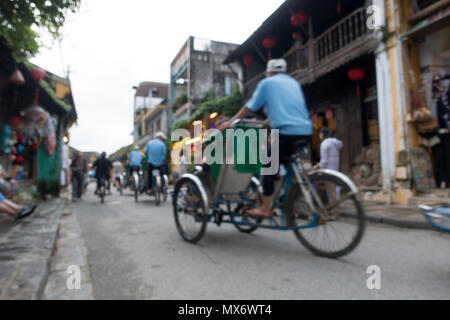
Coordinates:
112 45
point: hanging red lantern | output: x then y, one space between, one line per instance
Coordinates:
299 18
339 10
357 74
269 43
248 60
38 74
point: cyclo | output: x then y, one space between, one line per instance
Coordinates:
321 207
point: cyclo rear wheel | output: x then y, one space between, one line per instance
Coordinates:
340 228
189 211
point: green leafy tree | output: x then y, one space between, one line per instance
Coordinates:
20 18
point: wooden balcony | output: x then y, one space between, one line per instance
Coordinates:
343 42
422 9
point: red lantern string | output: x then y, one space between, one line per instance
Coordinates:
248 60
269 43
357 74
38 74
298 18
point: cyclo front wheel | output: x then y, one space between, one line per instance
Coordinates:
341 223
189 211
251 192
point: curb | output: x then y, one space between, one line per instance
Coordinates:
29 249
46 271
402 223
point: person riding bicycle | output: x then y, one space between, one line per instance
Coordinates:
102 171
117 172
285 106
156 152
135 158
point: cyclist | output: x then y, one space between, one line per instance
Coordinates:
102 171
117 172
285 106
156 152
135 158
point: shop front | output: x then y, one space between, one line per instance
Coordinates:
35 113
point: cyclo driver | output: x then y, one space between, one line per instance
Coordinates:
135 158
285 106
156 152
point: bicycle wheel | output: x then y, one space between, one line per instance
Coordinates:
102 194
252 193
189 211
340 227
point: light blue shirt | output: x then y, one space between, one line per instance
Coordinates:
156 151
285 105
135 158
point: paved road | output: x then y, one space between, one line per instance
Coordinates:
135 252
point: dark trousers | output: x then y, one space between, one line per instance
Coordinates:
442 159
106 180
77 184
286 149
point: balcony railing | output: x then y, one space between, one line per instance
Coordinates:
422 9
343 42
346 40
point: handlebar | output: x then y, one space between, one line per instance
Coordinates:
237 121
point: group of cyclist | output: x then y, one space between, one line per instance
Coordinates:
154 159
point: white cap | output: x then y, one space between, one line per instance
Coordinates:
136 147
161 135
276 65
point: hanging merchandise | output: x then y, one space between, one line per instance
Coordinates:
4 140
17 80
38 74
269 43
441 96
49 134
16 122
422 116
248 60
357 74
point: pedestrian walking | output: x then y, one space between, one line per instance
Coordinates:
79 174
330 154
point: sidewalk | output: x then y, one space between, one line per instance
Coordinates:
399 216
26 249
